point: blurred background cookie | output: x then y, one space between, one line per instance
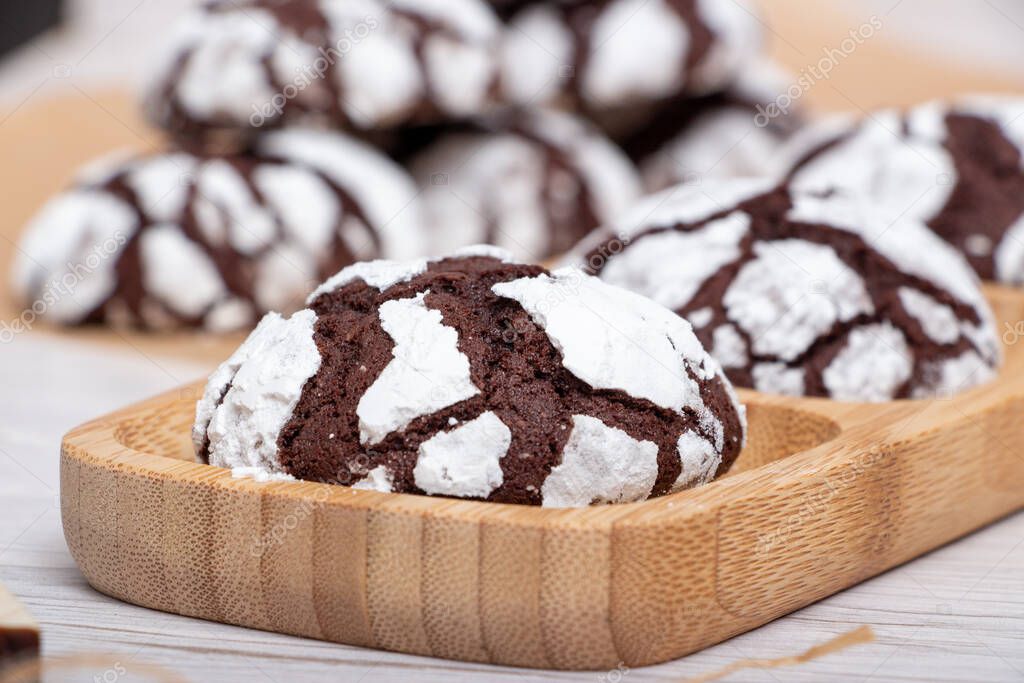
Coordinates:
735 133
235 68
533 182
957 166
613 55
801 294
171 240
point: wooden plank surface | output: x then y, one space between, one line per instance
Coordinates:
956 614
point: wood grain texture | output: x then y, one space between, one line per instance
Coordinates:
826 495
19 632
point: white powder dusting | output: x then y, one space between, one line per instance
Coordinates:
954 375
473 183
224 75
737 30
385 192
222 191
701 317
937 320
791 294
700 460
266 375
178 272
308 209
670 267
537 49
728 347
377 479
618 70
687 204
71 229
283 277
600 464
1009 256
381 274
615 339
724 143
911 246
159 184
426 374
897 173
875 362
466 461
777 378
229 315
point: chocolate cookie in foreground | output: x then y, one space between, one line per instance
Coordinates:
474 377
176 240
956 166
237 67
736 133
532 182
610 55
801 294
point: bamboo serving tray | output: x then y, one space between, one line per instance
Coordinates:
824 496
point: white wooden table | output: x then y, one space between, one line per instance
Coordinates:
954 615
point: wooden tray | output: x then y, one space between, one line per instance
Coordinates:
825 495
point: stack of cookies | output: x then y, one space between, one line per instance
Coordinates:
305 135
376 180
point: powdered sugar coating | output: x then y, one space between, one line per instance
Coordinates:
958 166
67 230
381 274
600 464
365 64
218 239
622 53
613 339
665 254
532 185
700 460
874 364
250 397
428 371
790 294
377 479
178 272
384 274
907 175
937 320
802 289
386 193
465 462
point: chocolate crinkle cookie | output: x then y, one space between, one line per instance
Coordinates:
532 182
735 133
804 294
474 377
619 54
238 66
177 240
956 166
